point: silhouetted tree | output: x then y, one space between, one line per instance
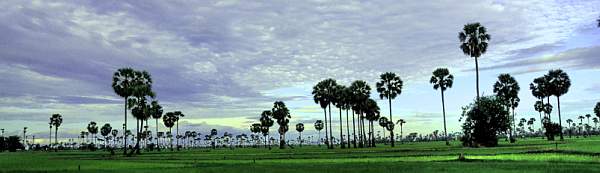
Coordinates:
389 86
360 94
123 84
443 80
319 127
560 83
56 120
323 95
282 114
105 131
169 120
474 43
507 90
483 119
300 128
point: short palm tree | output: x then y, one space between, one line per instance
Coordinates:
580 117
569 121
266 122
114 134
383 121
474 43
282 114
169 120
507 89
156 112
93 129
56 122
300 128
179 115
323 95
105 131
560 82
389 86
443 80
319 127
401 122
372 113
595 121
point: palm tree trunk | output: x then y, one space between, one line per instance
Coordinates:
391 120
444 115
401 141
559 119
514 124
49 138
157 143
477 76
55 137
125 129
330 128
347 129
343 145
177 136
353 129
319 140
384 137
326 131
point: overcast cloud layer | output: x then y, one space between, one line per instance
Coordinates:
223 62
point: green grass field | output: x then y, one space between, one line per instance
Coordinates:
529 155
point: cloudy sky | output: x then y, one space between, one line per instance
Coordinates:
223 62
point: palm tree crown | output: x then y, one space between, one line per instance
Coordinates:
474 40
442 79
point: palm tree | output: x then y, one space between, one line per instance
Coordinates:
560 82
474 43
339 102
371 111
360 94
300 128
114 134
507 89
347 99
389 87
443 80
597 110
56 121
92 129
539 107
595 120
530 123
383 123
323 95
282 114
156 112
141 110
580 123
178 114
319 127
401 122
123 85
588 119
169 120
266 122
105 131
569 121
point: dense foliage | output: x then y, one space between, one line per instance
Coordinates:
483 120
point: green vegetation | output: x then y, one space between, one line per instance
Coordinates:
528 155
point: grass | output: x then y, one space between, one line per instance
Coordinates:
527 155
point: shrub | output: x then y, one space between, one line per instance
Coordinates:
483 120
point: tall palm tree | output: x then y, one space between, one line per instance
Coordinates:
282 114
156 112
123 86
266 122
360 93
49 137
300 128
389 86
560 82
56 122
443 80
169 121
141 111
507 89
401 122
319 127
339 102
105 131
323 95
347 99
474 43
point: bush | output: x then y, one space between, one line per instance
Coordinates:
483 120
552 129
14 144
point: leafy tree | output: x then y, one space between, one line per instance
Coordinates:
442 79
552 129
474 43
389 86
56 121
14 143
300 128
360 94
323 94
319 127
507 90
483 119
560 83
282 114
169 121
105 131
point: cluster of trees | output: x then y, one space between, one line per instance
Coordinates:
281 114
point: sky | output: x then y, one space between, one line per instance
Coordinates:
223 62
